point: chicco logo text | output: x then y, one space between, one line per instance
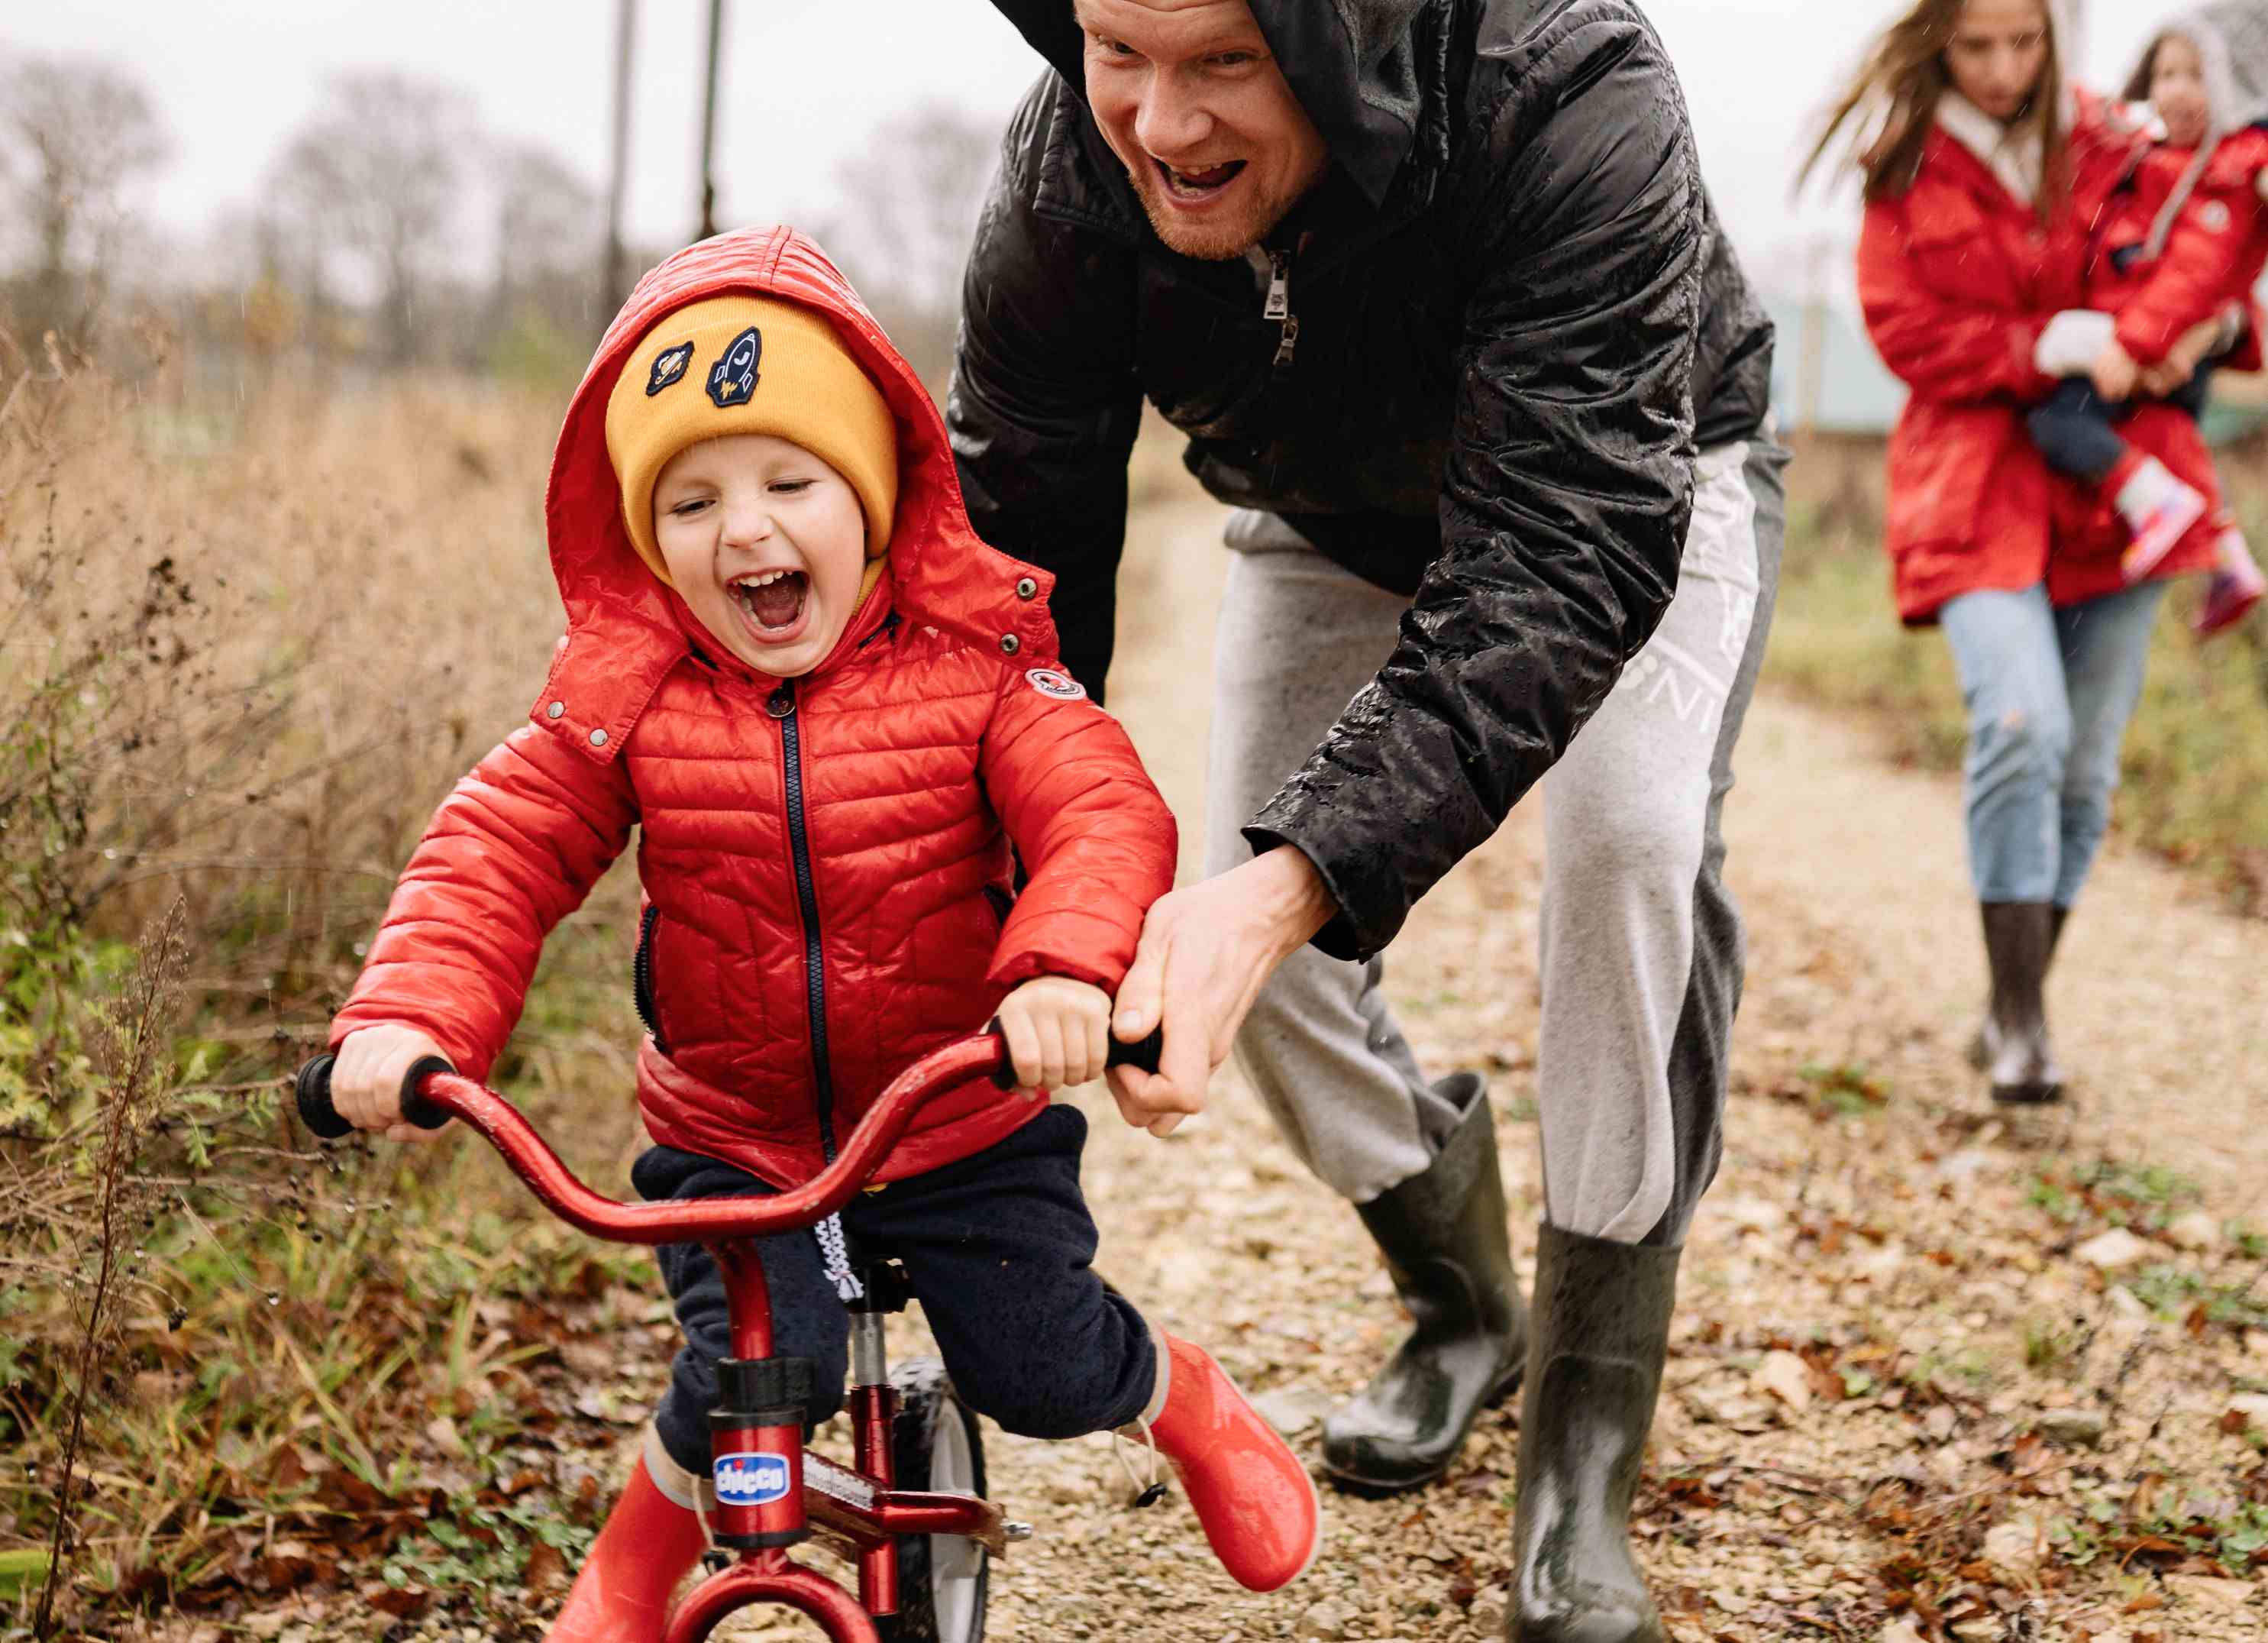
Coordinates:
751 1479
733 379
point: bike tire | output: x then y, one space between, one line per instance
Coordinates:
943 1580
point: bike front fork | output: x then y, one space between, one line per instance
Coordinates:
873 1414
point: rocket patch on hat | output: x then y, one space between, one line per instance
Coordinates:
668 368
733 379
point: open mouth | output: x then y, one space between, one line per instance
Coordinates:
1193 186
772 600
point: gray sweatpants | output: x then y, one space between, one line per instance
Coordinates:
1641 956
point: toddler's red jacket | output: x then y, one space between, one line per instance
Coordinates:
2213 256
826 861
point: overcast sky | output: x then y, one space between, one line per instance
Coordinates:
806 81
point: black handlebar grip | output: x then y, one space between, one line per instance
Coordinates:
313 1089
1142 1053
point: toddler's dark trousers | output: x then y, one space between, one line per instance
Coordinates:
998 1249
2076 429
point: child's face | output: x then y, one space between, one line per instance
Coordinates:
2177 90
766 543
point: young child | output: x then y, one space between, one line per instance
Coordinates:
829 709
2183 243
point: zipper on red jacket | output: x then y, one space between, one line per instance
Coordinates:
781 706
642 988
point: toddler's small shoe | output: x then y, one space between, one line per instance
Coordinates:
2159 510
2237 585
1253 1497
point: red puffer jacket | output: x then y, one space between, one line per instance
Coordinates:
1957 278
2214 256
826 861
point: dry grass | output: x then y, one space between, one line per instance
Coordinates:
247 648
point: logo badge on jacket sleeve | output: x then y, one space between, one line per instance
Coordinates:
668 368
733 379
1060 686
751 1478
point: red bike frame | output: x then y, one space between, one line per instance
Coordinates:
858 1510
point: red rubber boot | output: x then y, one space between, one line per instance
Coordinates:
647 1546
1252 1496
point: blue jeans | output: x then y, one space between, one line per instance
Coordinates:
2049 694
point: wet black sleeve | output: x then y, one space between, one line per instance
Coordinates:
1044 406
1568 487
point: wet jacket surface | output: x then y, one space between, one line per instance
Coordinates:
826 863
1957 278
1515 315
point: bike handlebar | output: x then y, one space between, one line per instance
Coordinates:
432 1094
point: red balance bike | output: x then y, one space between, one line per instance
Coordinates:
910 1511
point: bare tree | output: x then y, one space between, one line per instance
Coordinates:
378 169
906 212
73 133
549 228
549 234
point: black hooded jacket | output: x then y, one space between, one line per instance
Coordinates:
1516 320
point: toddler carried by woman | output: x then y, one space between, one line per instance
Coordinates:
2181 243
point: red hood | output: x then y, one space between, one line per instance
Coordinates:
626 630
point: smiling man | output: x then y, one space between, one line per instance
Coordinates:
1434 290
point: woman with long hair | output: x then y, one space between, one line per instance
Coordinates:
1983 171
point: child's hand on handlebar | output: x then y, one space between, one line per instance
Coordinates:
1059 1032
366 1078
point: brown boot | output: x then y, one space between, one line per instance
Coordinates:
1982 1044
2018 941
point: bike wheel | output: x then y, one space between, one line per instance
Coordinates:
943 1579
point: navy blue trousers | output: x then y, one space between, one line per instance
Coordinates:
2076 430
999 1248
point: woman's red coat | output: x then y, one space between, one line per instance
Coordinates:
931 736
1957 278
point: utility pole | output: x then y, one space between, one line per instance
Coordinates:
1811 359
2074 49
615 277
709 124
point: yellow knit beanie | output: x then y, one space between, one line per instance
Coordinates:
748 364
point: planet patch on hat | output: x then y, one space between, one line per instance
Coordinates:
668 368
733 379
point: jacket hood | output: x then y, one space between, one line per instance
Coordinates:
2231 37
1351 64
626 630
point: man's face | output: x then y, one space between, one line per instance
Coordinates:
1188 97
